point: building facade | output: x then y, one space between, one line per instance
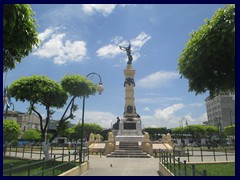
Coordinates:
221 110
25 120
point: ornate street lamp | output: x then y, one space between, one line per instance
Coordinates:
181 122
100 90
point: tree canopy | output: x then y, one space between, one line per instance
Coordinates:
11 130
38 89
229 130
31 135
19 33
78 86
75 131
208 60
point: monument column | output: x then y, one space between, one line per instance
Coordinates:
129 108
129 127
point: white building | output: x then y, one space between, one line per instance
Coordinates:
221 110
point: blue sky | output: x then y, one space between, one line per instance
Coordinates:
80 39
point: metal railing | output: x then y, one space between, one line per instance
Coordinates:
202 155
177 167
52 167
36 152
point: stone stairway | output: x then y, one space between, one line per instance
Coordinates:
129 149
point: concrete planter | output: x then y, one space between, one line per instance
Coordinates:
77 170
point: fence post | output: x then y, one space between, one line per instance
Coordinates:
159 155
16 151
226 154
214 154
63 149
43 166
185 167
31 151
174 165
75 154
29 167
10 150
4 149
167 159
62 157
100 153
88 152
201 154
69 156
10 172
75 148
54 164
23 151
192 151
79 155
188 155
170 161
163 157
40 152
179 167
193 169
69 159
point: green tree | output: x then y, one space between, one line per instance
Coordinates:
210 131
75 86
180 132
229 130
31 135
76 131
19 33
40 90
208 60
11 130
154 132
196 131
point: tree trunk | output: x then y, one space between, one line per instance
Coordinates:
45 147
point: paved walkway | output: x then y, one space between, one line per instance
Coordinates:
103 166
122 166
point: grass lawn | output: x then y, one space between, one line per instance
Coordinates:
223 169
34 167
216 169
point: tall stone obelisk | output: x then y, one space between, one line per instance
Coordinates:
130 128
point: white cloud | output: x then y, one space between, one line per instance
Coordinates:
157 79
157 99
104 119
140 40
104 9
42 36
146 109
168 113
54 46
108 51
111 50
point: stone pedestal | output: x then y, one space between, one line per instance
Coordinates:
129 131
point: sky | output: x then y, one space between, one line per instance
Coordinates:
85 38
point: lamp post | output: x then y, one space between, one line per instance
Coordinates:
100 90
181 122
